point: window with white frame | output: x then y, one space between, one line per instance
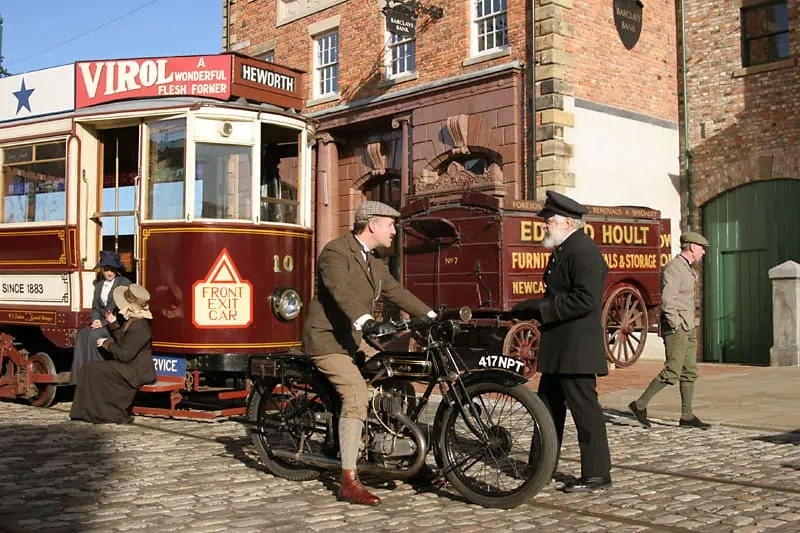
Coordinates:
489 26
401 55
269 56
326 64
34 182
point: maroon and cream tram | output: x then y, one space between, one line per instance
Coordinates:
197 171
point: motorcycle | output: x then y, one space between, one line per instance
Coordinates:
493 438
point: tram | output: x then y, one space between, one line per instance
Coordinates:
197 171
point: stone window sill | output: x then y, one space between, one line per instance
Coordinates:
397 80
323 100
766 67
487 57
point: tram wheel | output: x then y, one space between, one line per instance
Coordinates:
625 322
46 393
522 342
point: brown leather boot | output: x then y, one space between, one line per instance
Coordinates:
353 491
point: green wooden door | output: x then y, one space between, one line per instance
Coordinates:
752 229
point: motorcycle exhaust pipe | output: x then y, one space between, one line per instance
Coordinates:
422 451
323 461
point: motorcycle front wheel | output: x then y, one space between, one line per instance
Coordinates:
295 416
507 451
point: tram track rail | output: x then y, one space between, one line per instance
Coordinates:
542 503
617 466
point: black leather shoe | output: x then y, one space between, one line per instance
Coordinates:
694 422
590 484
640 414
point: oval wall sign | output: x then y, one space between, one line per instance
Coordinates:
628 20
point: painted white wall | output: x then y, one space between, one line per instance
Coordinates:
623 161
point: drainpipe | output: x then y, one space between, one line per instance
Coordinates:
687 154
227 25
531 189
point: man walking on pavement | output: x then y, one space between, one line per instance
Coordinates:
572 351
678 285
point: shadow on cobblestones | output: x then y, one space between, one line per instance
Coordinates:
615 417
52 474
241 449
790 437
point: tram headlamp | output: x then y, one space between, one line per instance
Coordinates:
286 303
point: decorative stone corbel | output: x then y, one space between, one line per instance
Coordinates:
457 127
376 155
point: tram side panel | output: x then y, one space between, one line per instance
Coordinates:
222 293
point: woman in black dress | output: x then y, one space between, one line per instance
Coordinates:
84 350
106 389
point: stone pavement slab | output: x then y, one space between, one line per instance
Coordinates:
747 396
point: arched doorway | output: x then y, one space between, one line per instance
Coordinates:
751 228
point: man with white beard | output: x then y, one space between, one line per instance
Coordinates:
572 352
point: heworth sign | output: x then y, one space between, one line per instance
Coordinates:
221 76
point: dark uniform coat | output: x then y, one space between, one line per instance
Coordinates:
84 350
572 331
347 288
106 389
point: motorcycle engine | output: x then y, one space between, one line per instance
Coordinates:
385 438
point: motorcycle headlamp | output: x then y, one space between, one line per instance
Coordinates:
286 303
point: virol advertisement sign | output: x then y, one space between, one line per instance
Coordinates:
98 82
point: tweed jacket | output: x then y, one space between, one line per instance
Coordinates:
346 289
133 351
572 330
98 309
678 284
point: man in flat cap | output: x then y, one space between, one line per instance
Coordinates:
350 279
678 286
572 350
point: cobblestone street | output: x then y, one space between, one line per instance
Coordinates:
168 475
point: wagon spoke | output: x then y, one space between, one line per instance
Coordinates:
630 344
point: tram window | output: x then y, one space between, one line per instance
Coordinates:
166 172
34 180
279 178
223 182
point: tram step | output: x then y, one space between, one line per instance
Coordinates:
163 386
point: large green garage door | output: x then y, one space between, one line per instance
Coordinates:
752 229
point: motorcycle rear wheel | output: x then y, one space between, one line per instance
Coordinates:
291 416
514 460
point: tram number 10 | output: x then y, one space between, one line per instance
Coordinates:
287 263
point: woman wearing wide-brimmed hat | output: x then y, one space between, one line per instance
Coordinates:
84 350
106 389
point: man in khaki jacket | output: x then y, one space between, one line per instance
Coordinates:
678 285
350 279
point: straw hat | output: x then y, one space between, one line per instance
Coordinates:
125 295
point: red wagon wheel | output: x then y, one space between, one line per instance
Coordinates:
522 342
46 393
625 321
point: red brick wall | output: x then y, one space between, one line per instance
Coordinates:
441 47
741 128
642 79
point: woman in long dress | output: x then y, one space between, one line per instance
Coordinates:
106 389
84 350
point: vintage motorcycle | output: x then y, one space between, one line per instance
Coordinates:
493 438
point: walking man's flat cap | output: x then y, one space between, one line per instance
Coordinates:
694 238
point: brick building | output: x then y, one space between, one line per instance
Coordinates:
743 127
402 117
450 107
